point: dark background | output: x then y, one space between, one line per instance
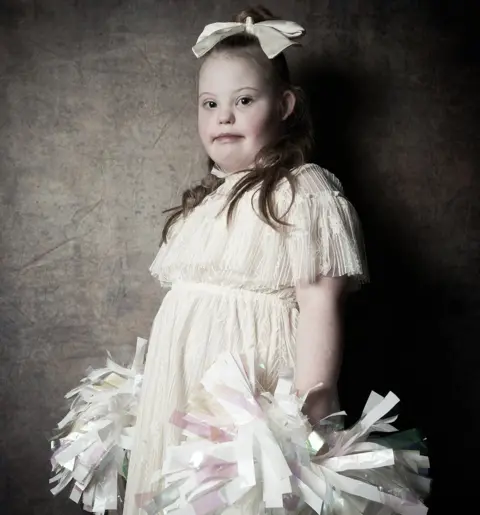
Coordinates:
97 136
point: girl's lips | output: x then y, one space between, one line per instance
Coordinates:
226 138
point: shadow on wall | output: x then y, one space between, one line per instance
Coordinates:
387 317
11 13
401 329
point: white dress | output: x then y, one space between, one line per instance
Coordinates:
233 288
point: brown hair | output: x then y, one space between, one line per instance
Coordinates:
277 159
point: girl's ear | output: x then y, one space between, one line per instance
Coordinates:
288 104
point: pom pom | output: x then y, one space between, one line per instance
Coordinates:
245 447
94 439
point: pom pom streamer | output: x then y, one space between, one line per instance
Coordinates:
265 453
95 437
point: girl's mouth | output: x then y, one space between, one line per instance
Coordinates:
227 137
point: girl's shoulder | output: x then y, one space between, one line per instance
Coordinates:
312 180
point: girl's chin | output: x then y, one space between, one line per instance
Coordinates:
232 166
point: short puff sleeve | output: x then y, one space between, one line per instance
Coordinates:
325 237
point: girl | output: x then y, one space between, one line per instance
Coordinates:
260 255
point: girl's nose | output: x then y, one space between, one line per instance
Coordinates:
226 116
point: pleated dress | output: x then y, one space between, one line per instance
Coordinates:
233 288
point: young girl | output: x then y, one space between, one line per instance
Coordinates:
260 255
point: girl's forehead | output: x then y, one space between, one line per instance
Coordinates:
222 70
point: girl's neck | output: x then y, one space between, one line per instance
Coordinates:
218 171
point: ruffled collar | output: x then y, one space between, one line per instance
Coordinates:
219 173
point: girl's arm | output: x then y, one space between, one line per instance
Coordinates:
319 342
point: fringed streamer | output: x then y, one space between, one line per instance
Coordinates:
95 437
269 452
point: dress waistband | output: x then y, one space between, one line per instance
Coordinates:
285 297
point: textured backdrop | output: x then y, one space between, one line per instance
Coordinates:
98 136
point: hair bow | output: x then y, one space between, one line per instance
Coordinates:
274 36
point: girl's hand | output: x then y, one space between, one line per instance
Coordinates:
318 405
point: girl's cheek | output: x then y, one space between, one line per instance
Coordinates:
259 125
263 128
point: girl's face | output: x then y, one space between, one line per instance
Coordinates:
236 111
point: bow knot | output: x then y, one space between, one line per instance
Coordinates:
249 26
274 36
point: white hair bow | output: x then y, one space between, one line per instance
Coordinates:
274 36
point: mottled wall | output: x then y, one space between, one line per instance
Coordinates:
97 136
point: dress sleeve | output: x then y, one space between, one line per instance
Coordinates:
325 237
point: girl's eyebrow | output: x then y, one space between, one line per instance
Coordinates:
236 91
246 87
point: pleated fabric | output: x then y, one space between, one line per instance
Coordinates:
233 288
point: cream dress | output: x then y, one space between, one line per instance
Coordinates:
234 288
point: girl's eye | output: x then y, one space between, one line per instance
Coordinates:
245 101
210 104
